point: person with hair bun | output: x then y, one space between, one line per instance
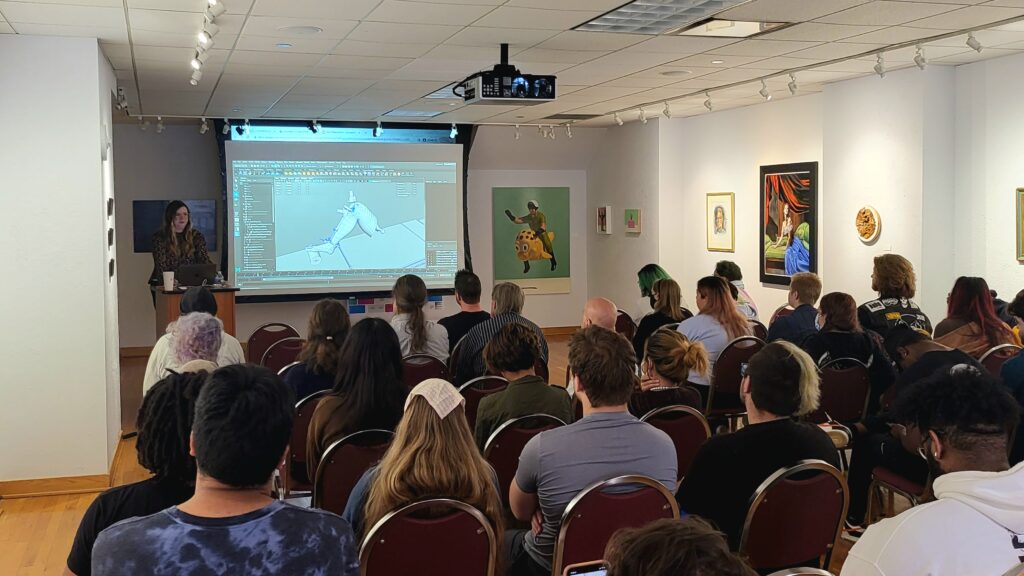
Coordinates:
328 327
416 334
668 360
779 384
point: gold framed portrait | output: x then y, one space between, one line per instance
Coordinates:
720 225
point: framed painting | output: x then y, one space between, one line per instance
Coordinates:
1020 224
720 226
531 233
632 221
789 221
604 224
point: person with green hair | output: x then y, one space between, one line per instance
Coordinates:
646 278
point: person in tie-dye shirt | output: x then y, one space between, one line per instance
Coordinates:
243 418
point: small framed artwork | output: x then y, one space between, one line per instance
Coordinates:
1020 224
720 226
632 220
604 224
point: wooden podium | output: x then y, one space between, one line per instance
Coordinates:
168 307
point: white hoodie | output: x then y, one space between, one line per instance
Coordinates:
974 528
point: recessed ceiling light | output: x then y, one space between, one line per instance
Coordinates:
675 73
718 61
300 30
453 103
731 28
236 109
656 16
283 45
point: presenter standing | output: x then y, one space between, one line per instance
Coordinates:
177 243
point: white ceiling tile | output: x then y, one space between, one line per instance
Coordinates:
393 32
165 21
1010 46
968 17
285 112
695 84
989 38
436 68
823 76
886 13
107 3
233 7
529 67
391 49
336 86
299 45
274 26
564 56
786 10
105 34
310 102
762 48
63 15
733 75
834 50
423 13
351 115
931 53
455 52
280 58
256 82
1008 3
265 69
849 66
777 63
681 71
168 102
604 92
972 56
579 40
892 35
681 45
338 61
536 18
180 40
601 5
516 38
706 61
329 9
176 55
818 32
468 2
960 2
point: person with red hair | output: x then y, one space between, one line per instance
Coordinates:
971 323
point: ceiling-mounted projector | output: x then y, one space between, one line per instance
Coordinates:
504 84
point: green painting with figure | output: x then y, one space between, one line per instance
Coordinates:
531 233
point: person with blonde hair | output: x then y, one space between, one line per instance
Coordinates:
328 327
431 456
668 360
779 383
894 280
416 334
804 290
668 309
717 323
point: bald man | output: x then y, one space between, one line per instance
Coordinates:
600 312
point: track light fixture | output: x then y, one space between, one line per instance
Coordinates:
454 132
208 32
667 111
568 131
215 10
707 102
227 127
618 119
764 91
551 132
159 125
143 123
199 59
314 126
378 130
204 127
517 132
197 75
792 84
919 58
242 128
880 65
643 115
973 43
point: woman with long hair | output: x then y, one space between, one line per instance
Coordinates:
717 323
645 279
416 334
328 326
431 456
668 309
177 243
368 393
668 359
840 336
971 323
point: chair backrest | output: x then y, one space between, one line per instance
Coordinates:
686 312
285 370
405 541
845 389
506 443
281 353
599 510
297 442
419 367
759 330
453 360
624 325
781 311
687 428
994 357
801 571
475 390
540 368
1015 571
724 395
671 326
795 515
343 463
262 337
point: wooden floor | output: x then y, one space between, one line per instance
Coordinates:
36 533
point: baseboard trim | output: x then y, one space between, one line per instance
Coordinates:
54 486
560 330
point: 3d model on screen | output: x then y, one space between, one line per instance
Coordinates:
353 213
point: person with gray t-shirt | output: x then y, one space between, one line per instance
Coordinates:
608 442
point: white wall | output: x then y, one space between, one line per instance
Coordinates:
56 377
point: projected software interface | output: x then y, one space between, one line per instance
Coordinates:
343 225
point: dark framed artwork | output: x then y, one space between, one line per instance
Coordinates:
1020 224
789 221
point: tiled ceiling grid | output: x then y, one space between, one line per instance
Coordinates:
375 56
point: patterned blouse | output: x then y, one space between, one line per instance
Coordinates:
165 261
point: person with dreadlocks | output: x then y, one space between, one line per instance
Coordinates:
165 422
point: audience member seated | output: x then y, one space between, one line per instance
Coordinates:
507 301
195 299
842 337
717 323
804 289
164 423
780 383
732 274
369 392
670 547
513 353
669 358
607 442
877 441
467 296
431 456
328 326
231 525
971 324
667 310
645 279
894 280
600 312
1013 375
416 334
976 523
